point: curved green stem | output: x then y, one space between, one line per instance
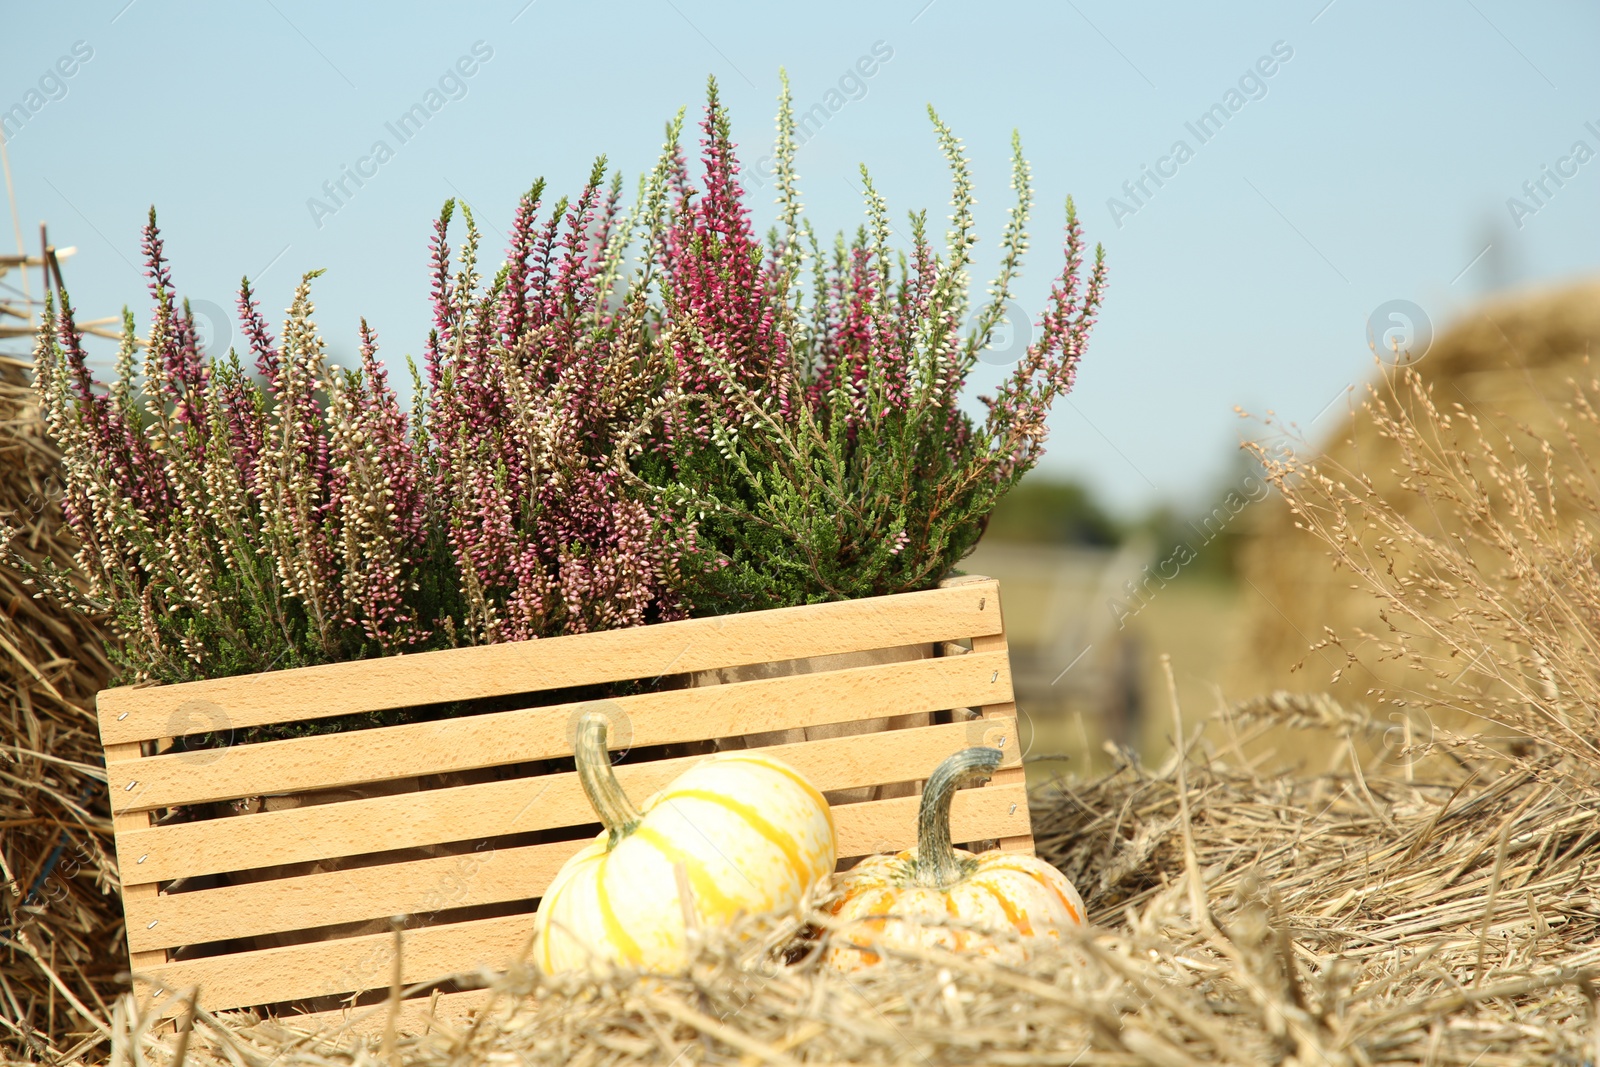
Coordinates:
937 866
600 783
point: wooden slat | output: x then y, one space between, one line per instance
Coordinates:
333 760
135 889
889 825
324 968
418 1015
419 887
422 886
352 964
487 809
1004 711
137 714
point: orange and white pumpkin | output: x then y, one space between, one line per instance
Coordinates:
749 832
938 896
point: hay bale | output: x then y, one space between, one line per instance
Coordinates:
1511 365
61 943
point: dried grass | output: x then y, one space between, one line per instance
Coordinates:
60 919
1432 905
1511 366
1482 563
1452 925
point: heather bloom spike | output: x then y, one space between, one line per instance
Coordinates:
523 418
375 490
179 375
715 283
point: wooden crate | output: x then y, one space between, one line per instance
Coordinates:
201 895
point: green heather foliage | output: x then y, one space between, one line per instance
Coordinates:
644 414
826 455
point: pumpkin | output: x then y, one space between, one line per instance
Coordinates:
738 832
936 895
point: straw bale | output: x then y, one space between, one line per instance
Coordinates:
1513 365
60 917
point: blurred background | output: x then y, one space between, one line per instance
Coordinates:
1280 187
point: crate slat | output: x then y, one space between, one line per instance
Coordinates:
347 965
363 756
946 614
471 812
280 905
418 1015
134 893
324 968
1005 711
434 884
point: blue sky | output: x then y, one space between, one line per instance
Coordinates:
1373 164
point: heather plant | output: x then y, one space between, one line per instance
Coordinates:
817 439
530 381
640 415
231 522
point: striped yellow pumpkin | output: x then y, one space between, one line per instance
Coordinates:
936 895
749 832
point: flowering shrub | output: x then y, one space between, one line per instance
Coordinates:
820 444
641 415
529 383
232 523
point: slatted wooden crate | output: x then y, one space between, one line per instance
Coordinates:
201 896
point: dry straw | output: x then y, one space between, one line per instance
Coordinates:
1462 935
1431 906
59 914
1511 367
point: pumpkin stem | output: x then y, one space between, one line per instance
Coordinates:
937 866
600 783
